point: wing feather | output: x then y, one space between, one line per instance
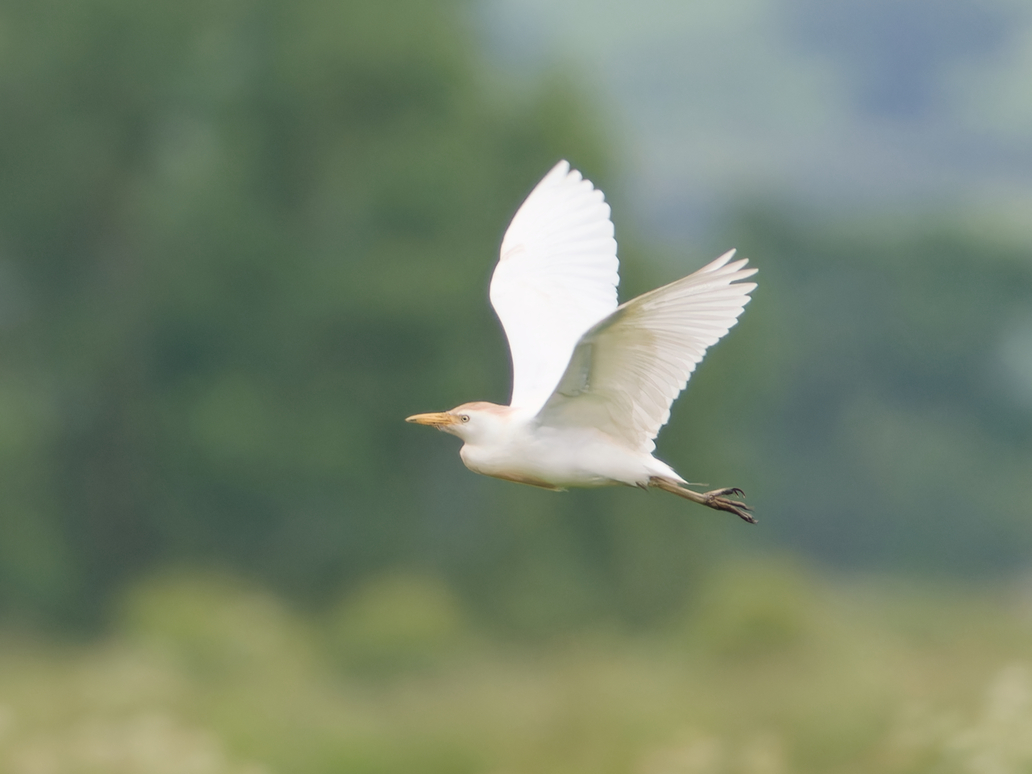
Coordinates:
555 278
627 370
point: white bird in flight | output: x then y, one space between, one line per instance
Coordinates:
592 382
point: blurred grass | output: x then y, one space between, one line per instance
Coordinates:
774 669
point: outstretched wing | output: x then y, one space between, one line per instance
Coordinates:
628 369
556 277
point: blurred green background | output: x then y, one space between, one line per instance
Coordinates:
241 240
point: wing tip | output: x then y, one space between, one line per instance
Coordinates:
560 173
563 173
732 270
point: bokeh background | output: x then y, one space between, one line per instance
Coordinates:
241 240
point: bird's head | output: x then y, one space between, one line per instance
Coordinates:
471 422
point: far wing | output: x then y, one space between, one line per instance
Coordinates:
555 278
628 369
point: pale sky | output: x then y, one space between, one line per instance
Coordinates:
849 104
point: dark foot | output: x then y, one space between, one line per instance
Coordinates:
717 499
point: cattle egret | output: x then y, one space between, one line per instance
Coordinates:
592 382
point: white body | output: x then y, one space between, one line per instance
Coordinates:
562 457
593 382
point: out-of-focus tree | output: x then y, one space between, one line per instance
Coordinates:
239 242
893 423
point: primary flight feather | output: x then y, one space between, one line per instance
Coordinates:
593 382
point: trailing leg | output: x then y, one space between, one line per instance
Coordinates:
716 499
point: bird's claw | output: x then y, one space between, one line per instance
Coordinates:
717 499
733 490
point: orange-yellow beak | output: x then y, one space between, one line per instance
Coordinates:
438 419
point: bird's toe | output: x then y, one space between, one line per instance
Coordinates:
717 499
733 491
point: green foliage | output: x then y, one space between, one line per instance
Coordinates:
239 242
207 674
213 625
755 607
395 622
888 428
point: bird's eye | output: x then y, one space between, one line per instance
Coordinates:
464 417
